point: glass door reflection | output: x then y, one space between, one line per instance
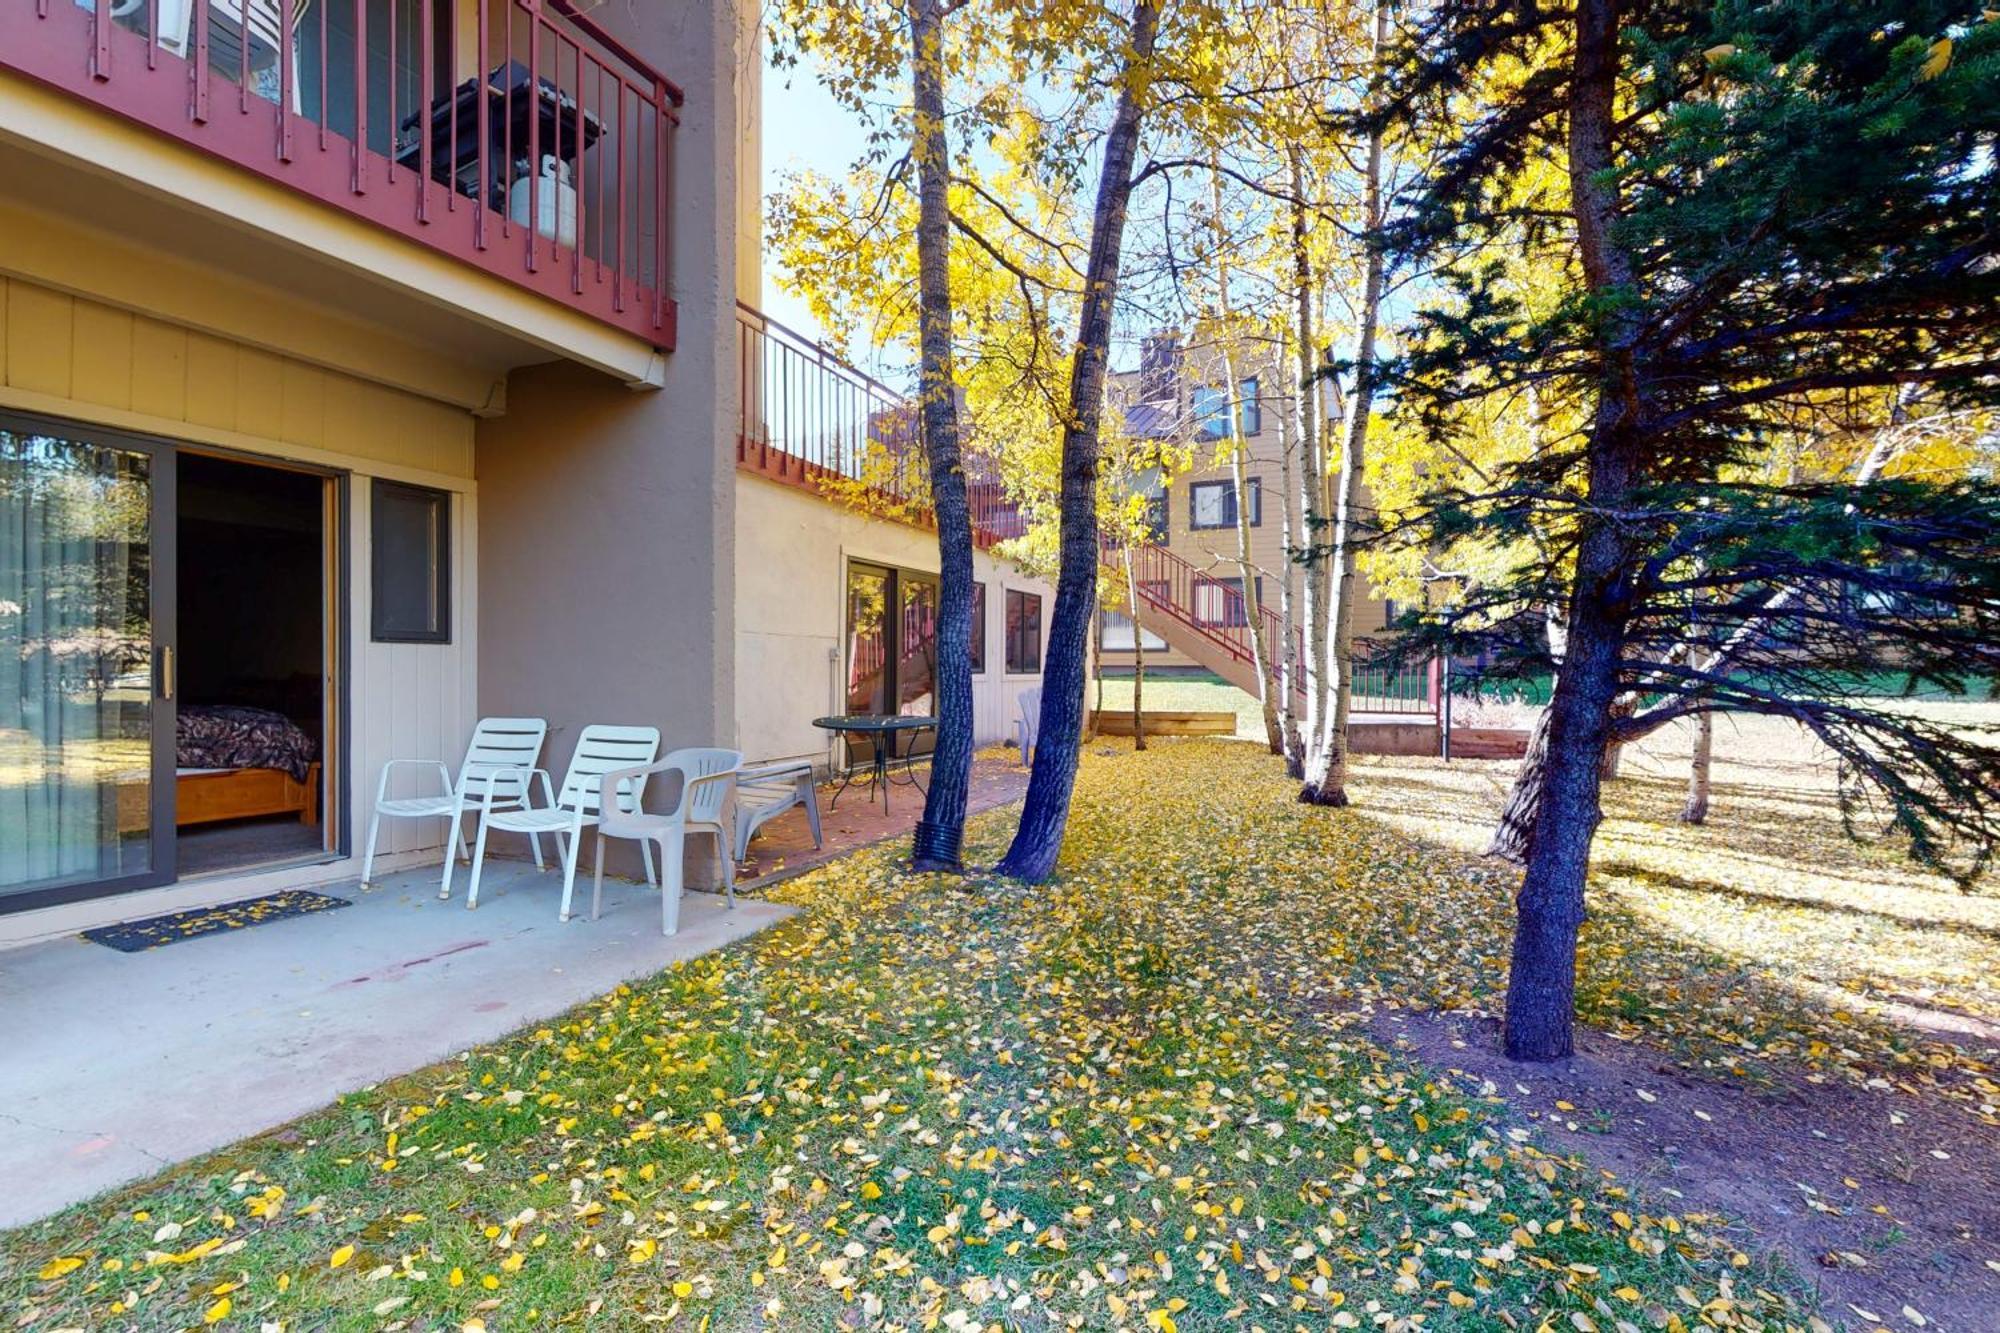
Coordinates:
81 767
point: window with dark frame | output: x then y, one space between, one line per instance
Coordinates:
1212 504
891 640
978 628
410 550
1219 602
1158 518
1210 408
1251 415
1024 631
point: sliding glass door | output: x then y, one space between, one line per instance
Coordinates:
86 694
891 641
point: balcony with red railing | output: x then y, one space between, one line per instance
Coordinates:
516 136
808 418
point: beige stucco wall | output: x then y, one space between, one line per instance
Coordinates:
750 155
792 554
607 563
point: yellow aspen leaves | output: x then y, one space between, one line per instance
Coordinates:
340 1256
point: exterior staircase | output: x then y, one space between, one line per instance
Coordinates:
1208 620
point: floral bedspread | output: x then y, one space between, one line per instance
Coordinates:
232 736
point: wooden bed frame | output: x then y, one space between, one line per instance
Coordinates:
243 793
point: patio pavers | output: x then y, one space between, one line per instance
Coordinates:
784 846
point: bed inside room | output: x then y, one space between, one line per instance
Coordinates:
251 679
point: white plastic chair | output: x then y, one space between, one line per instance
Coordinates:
578 804
767 791
1028 726
707 777
499 744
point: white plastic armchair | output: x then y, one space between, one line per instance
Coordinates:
1028 726
577 804
499 744
707 778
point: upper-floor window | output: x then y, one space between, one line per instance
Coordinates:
1210 407
1157 518
1213 504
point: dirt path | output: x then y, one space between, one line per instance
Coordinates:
1889 1203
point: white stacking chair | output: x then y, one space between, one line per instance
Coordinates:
500 745
707 778
1028 726
767 791
578 804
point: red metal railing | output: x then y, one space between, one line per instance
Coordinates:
515 135
808 418
1214 607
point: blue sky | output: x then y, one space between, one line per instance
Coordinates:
803 127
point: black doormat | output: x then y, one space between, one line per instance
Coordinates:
155 931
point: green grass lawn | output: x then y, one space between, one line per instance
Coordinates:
1173 694
1138 1097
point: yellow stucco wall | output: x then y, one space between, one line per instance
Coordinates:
71 356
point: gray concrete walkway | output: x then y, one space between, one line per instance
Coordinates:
115 1065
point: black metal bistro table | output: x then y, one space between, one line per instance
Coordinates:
882 729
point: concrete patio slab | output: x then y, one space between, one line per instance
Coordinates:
119 1064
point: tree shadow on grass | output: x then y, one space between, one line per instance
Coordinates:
1652 877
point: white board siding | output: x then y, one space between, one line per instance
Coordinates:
792 552
408 700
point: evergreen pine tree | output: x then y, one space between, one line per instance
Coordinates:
1772 208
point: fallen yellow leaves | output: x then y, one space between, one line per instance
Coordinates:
1132 1099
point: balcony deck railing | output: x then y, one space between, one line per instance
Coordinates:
515 135
808 418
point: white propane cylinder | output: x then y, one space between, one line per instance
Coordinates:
554 202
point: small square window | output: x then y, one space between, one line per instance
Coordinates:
1219 602
410 536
